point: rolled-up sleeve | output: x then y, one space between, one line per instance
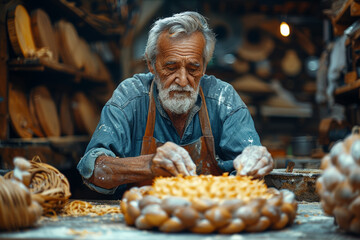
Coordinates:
86 168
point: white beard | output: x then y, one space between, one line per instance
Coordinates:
179 103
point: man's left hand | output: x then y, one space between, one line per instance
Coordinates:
254 161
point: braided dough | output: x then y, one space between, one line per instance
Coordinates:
205 204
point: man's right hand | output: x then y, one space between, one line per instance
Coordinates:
172 159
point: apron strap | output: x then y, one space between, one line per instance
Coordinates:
204 117
207 133
150 124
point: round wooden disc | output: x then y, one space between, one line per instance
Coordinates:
91 65
19 113
104 72
46 111
36 125
20 33
66 116
69 43
258 51
43 32
85 114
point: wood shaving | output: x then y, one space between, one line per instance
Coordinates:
81 208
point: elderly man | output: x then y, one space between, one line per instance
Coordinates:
175 119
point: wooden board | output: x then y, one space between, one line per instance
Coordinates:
46 111
85 113
20 34
43 32
90 64
19 113
66 116
68 40
104 72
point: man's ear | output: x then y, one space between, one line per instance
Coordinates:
150 67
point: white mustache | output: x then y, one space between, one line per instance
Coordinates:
175 87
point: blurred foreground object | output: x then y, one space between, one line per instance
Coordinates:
17 207
339 186
48 186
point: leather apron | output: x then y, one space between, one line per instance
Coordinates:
202 151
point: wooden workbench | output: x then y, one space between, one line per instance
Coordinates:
311 223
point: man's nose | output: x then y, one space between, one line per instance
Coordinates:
182 79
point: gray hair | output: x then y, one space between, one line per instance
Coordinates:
178 25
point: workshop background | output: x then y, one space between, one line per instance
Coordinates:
60 69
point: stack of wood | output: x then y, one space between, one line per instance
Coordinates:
37 37
40 111
41 115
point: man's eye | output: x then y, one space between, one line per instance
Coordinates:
193 69
171 68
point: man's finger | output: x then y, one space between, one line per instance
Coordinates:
166 164
264 171
189 164
180 164
261 163
248 165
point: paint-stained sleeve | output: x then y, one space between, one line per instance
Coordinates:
111 138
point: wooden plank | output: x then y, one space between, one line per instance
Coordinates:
96 26
42 65
39 64
62 152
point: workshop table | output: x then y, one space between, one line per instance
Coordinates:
310 223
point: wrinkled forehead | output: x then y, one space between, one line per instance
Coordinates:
167 40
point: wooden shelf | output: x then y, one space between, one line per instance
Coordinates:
60 152
43 65
349 93
299 112
99 27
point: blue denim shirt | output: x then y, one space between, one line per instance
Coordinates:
123 121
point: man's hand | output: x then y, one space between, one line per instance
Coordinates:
254 161
172 159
